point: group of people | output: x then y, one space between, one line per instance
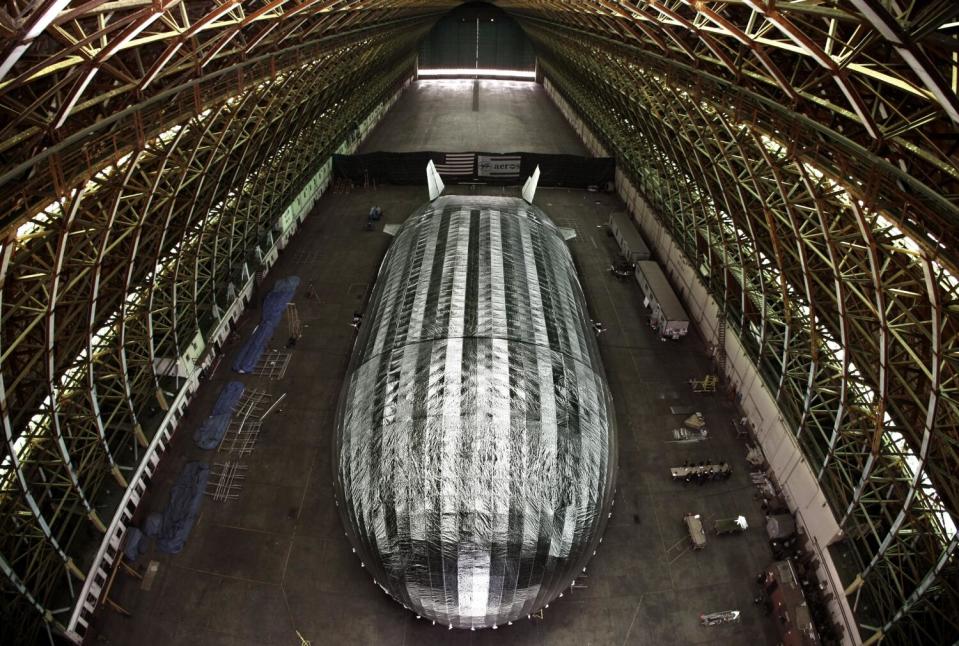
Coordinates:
705 471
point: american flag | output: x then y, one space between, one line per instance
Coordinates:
456 164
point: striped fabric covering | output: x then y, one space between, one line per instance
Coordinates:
475 453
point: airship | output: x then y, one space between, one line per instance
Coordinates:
475 446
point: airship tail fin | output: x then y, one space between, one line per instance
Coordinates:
567 233
391 229
434 181
529 188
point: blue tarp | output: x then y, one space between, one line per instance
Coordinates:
211 432
181 512
135 544
273 307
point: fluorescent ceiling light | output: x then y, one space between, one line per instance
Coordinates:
480 71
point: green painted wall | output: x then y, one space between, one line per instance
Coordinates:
477 35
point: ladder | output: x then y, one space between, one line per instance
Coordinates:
721 346
293 321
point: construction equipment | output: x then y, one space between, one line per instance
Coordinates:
754 456
272 364
693 429
695 422
226 480
293 322
705 385
694 525
730 525
686 435
718 618
244 429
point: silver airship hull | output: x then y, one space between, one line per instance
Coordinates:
475 451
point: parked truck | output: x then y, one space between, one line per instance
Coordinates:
631 243
668 316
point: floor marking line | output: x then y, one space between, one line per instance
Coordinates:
225 576
635 614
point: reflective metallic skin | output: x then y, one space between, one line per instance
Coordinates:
475 450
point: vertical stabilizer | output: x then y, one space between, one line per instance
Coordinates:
529 188
434 181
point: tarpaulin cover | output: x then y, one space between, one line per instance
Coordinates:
184 505
135 544
780 526
211 431
475 446
410 169
274 304
152 524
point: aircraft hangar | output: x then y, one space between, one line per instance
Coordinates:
761 203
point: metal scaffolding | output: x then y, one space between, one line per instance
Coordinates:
803 155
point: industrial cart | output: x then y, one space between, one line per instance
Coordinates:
730 525
697 535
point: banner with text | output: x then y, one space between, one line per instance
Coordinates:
498 166
480 168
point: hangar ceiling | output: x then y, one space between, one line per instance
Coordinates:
803 155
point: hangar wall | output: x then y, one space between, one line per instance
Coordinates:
134 193
785 457
831 263
477 35
134 222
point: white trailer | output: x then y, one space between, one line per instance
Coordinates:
630 242
668 316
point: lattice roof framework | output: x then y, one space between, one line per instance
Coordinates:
803 156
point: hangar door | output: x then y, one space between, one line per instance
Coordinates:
477 35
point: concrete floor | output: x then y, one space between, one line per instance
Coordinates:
458 115
276 561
